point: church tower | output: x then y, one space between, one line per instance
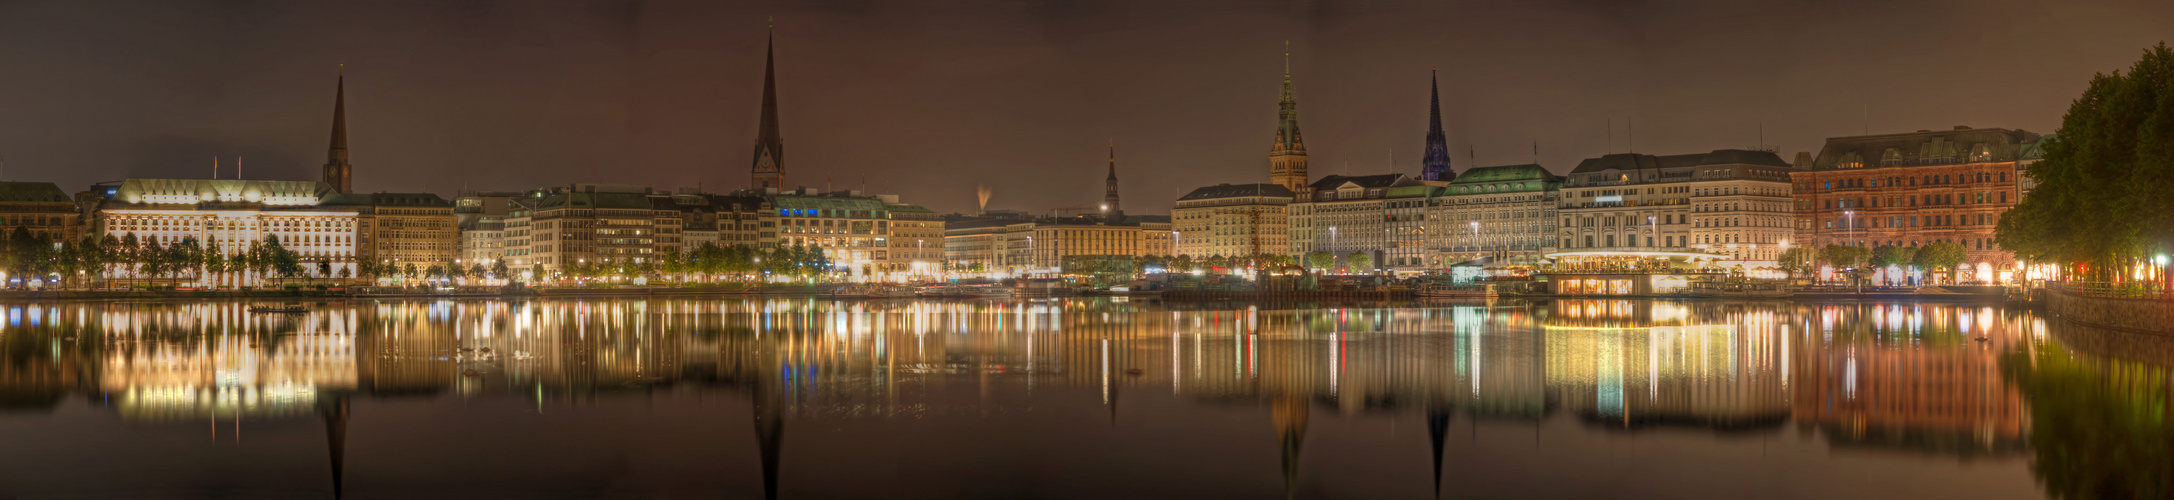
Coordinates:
1287 158
769 146
1434 165
338 173
1109 195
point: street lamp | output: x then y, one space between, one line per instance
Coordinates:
1476 243
1849 225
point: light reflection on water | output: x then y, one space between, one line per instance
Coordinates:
1846 398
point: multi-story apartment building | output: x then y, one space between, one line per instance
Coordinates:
1232 220
1342 215
1156 237
1037 247
584 224
979 244
854 230
1504 212
916 243
1404 216
481 219
1913 189
724 220
1730 203
40 208
406 228
227 216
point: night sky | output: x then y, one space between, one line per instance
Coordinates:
928 99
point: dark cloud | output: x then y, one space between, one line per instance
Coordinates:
929 99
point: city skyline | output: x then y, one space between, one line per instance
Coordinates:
1201 125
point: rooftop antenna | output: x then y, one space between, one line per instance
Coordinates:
214 167
237 167
1536 151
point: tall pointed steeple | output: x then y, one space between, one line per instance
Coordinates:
1434 165
1287 157
1109 196
338 173
769 145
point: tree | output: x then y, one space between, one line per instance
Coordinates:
2105 194
1181 264
498 268
1842 256
1890 255
1320 260
1797 261
1359 261
1941 255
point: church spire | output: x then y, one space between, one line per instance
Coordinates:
769 144
1109 197
338 173
1287 157
1434 165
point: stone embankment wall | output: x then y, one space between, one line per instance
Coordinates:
2141 315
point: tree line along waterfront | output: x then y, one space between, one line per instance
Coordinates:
39 261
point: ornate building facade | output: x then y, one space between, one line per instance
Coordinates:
1232 220
1733 203
40 208
1913 189
1343 215
227 216
1504 212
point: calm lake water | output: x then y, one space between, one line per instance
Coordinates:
1076 398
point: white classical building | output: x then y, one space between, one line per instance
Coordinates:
225 216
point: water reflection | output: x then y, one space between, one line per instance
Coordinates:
1963 382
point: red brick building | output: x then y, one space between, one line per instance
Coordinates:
1913 189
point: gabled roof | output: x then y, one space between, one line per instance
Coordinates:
1238 191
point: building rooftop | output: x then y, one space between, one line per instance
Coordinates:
1959 145
191 192
795 205
1238 191
1637 161
33 192
1365 181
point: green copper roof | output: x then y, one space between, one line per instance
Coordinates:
909 209
1419 191
826 203
1525 172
